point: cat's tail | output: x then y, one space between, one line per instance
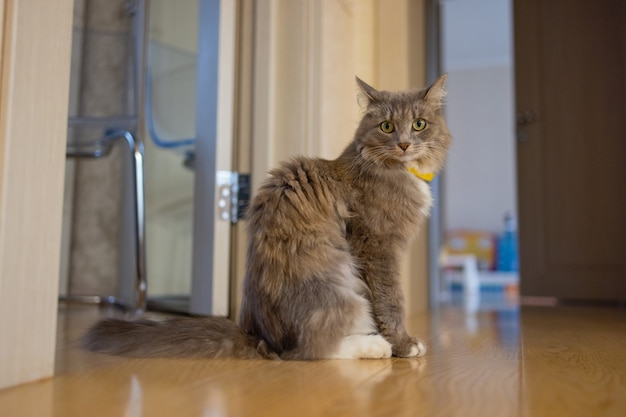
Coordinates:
180 337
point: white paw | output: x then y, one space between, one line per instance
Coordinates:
361 346
417 350
377 348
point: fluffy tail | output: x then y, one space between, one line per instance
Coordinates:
181 337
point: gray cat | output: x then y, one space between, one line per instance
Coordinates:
325 243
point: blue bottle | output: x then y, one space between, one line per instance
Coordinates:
507 245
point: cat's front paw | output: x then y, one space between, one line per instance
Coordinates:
409 348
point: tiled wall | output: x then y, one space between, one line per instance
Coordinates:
99 89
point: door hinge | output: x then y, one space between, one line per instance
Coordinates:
233 195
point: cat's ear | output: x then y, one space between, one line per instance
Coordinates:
437 92
370 94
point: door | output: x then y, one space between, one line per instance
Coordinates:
570 94
190 114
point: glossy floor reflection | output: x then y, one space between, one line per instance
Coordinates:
526 362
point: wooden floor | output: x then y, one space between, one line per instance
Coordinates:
536 361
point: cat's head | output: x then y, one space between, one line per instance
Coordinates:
404 128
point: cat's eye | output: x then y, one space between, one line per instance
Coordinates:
387 126
419 124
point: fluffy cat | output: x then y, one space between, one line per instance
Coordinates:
325 243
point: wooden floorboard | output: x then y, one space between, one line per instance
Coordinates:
535 361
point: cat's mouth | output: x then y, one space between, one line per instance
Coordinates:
407 155
393 155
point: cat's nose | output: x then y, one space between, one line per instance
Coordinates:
404 146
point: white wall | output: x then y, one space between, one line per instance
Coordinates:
480 173
480 181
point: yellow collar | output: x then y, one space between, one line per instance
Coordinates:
426 176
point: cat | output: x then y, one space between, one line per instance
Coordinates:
326 238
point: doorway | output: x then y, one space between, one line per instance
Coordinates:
569 175
189 68
478 189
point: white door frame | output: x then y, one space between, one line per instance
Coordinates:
435 225
214 143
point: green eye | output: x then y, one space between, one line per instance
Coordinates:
387 126
419 124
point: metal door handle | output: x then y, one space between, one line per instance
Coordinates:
527 117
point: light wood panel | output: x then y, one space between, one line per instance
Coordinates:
36 40
540 362
242 144
400 60
306 56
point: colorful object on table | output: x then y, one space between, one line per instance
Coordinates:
507 245
481 244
